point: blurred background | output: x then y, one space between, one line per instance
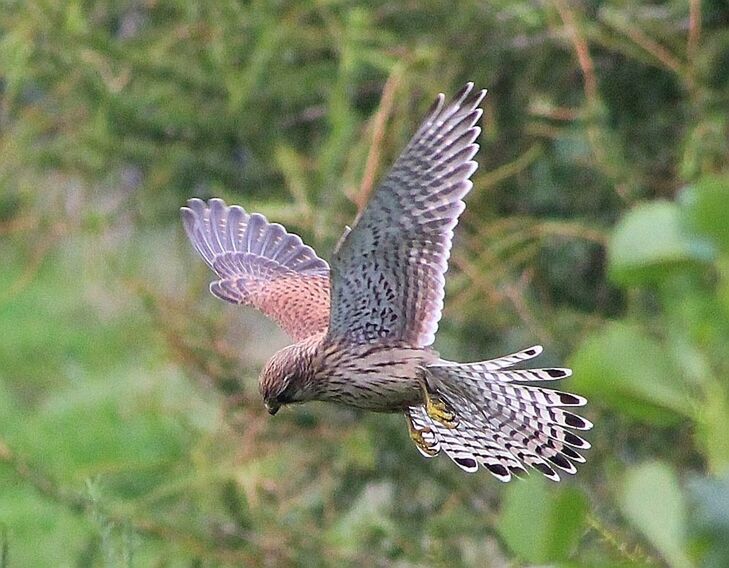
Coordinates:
131 430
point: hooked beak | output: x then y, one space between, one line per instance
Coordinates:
272 407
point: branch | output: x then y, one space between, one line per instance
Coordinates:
378 134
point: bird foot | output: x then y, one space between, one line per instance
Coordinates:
438 410
418 436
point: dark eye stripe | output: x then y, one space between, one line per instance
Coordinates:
286 395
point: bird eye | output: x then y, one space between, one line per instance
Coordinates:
287 394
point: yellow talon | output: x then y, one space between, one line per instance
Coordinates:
437 409
417 437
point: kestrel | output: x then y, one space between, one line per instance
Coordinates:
364 326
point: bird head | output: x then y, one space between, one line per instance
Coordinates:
285 378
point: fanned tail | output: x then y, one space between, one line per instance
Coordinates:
502 423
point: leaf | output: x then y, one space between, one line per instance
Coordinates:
711 428
706 205
542 523
652 500
650 242
624 368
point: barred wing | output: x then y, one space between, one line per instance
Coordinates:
261 265
388 273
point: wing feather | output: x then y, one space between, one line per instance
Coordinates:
260 264
388 272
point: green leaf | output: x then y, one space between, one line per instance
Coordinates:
624 368
711 428
707 208
650 242
652 500
542 523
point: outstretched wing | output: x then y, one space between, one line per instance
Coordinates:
261 265
388 273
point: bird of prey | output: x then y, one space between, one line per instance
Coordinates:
363 326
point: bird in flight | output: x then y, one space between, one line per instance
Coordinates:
363 326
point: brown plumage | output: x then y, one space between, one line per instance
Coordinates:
363 329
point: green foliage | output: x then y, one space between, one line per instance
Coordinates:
4 548
707 211
651 499
622 366
540 523
663 246
672 365
131 432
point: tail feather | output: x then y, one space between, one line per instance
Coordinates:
504 425
505 418
529 375
525 439
507 360
469 446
